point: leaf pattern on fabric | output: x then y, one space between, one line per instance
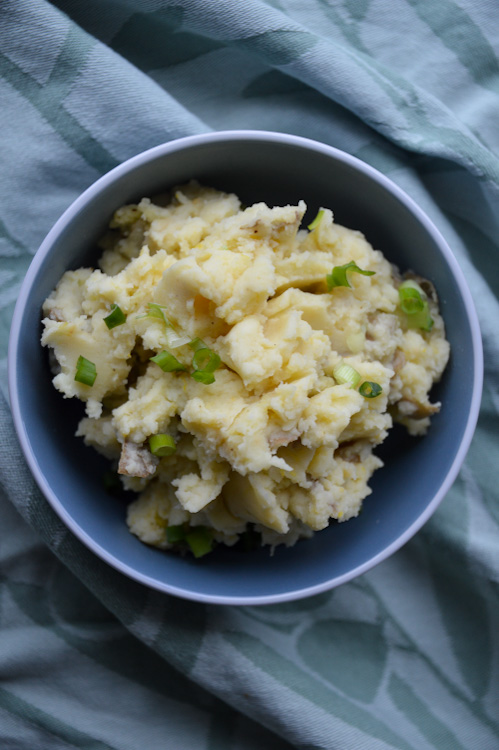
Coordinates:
358 8
462 607
46 99
48 725
80 620
433 674
457 31
350 655
464 612
435 731
288 616
287 674
486 262
480 454
153 40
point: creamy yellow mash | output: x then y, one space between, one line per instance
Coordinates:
308 375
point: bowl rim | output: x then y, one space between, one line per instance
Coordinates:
186 143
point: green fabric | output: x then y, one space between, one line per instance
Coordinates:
406 656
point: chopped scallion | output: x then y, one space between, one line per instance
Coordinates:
338 276
196 344
422 320
156 311
315 223
203 377
115 318
167 362
414 303
346 375
175 534
411 298
200 540
368 389
206 360
86 371
162 445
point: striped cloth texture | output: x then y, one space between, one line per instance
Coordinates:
405 656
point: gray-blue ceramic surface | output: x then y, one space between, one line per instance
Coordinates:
277 169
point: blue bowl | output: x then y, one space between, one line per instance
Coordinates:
277 169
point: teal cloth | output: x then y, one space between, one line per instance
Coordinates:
407 655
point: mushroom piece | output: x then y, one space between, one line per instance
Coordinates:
136 461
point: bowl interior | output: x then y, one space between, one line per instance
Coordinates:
277 172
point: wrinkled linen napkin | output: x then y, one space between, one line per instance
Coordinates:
406 656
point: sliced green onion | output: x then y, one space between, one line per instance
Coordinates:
115 318
175 534
200 540
203 377
162 445
197 343
414 304
156 311
346 374
411 297
368 389
315 223
422 320
86 371
167 362
206 360
338 276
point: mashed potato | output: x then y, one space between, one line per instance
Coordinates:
310 365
